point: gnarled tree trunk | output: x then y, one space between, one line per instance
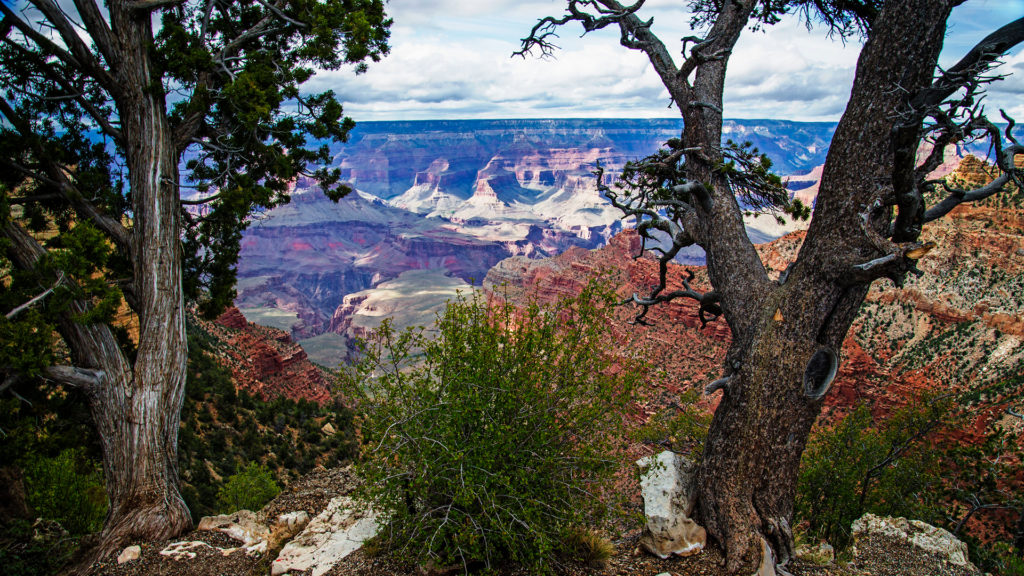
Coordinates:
139 417
751 460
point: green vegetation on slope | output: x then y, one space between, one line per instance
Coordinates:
496 440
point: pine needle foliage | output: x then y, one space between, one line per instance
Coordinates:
490 440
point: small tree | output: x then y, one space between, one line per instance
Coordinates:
250 489
495 439
857 466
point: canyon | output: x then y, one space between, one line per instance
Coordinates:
957 326
455 198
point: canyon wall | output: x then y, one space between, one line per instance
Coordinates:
457 197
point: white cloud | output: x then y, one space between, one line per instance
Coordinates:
451 59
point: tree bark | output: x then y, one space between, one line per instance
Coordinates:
751 459
138 418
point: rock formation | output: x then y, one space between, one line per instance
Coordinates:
458 197
883 545
667 487
264 361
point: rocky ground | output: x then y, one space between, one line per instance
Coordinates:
882 552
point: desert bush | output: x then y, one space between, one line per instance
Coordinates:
926 461
67 488
857 466
494 438
250 489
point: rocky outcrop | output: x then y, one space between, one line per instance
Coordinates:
884 545
334 534
667 485
264 361
243 526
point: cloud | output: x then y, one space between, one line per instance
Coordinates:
451 59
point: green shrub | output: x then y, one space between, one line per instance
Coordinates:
249 489
681 426
494 440
67 488
926 462
857 467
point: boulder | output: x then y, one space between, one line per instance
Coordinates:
242 526
184 550
909 547
291 522
334 534
666 484
286 527
130 553
820 553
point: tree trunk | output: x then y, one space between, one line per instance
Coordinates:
138 429
138 418
750 465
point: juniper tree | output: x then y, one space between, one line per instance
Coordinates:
102 104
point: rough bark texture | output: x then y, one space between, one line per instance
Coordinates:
138 419
135 404
747 479
760 429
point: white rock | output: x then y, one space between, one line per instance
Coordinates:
328 429
130 553
922 535
666 485
291 521
241 526
183 550
821 553
334 534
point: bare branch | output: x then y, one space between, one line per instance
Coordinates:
26 305
545 29
893 265
148 5
982 57
201 201
98 29
1005 160
84 378
44 43
86 63
720 384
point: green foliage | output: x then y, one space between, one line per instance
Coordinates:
488 442
926 462
249 489
231 76
23 555
858 466
224 431
682 426
69 489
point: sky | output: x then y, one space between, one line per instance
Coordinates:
451 59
